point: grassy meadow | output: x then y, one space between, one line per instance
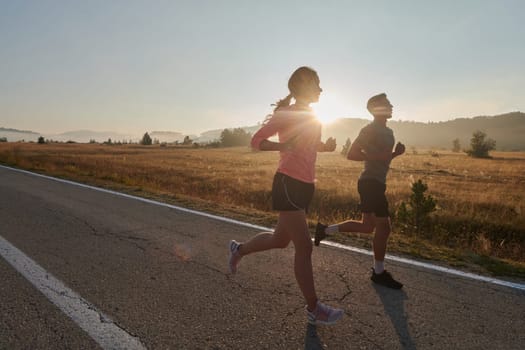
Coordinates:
479 223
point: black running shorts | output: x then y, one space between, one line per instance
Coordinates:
373 199
289 194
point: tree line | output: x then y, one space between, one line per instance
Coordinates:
480 144
229 138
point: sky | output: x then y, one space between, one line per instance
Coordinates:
191 66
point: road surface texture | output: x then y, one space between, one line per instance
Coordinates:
161 276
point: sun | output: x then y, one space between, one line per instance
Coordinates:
329 108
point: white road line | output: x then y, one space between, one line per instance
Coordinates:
450 271
99 326
455 272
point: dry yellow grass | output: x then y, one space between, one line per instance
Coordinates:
488 192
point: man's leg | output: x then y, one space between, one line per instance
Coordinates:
379 243
379 274
366 225
367 193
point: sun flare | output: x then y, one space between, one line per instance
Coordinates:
329 109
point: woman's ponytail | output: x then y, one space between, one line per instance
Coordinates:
299 78
285 102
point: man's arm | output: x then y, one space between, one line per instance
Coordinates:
399 150
358 154
355 152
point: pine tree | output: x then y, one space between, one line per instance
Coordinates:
416 213
146 140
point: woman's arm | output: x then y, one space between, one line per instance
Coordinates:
260 140
266 145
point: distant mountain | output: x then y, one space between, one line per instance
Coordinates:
215 135
16 131
87 135
14 135
506 129
18 135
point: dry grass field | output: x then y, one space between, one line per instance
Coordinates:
479 222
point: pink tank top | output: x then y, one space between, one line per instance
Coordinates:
305 129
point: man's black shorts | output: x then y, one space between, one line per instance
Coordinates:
373 199
289 194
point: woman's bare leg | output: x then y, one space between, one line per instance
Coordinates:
291 226
280 238
295 222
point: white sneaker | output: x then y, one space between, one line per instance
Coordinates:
324 314
235 257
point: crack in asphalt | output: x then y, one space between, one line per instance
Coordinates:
65 293
61 293
102 317
245 289
289 314
347 285
124 236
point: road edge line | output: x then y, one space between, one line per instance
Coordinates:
99 326
519 286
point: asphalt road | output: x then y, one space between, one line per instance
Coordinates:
161 275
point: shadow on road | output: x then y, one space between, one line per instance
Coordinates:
394 304
311 339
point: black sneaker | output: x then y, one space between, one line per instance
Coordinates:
319 233
385 279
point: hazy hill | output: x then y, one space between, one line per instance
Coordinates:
87 135
507 129
14 135
17 135
214 135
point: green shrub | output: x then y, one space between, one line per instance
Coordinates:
480 147
415 215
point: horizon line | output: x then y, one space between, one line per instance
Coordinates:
132 134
